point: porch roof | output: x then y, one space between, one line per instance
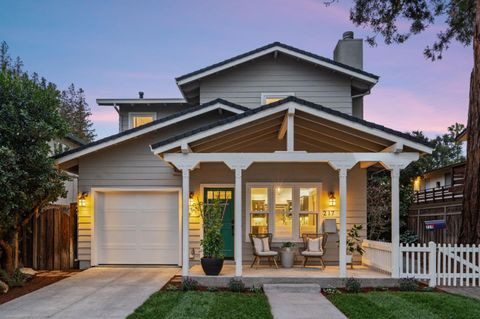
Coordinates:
316 129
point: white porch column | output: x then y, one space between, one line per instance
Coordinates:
238 222
342 172
395 177
185 225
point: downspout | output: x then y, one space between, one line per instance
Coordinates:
361 94
119 117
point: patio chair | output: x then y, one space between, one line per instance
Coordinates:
261 244
314 249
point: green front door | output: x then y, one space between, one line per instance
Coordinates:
224 194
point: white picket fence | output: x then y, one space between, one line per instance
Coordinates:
444 265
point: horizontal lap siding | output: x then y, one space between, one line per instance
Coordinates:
245 84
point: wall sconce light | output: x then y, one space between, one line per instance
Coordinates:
82 200
332 201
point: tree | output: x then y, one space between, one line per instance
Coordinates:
75 110
461 20
29 119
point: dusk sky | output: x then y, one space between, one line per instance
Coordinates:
113 49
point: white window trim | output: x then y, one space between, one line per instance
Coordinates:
133 114
276 95
271 186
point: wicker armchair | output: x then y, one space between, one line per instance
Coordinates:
314 254
259 250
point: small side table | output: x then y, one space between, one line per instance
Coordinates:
287 257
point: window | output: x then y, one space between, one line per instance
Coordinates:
268 98
137 119
286 210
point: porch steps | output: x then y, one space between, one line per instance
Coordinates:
292 288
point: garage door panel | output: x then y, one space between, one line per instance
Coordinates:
137 228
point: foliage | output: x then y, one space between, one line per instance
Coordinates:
212 289
408 284
396 21
331 291
171 287
29 120
256 289
189 284
353 285
75 110
204 305
378 207
408 237
236 285
406 305
16 279
354 242
288 244
212 217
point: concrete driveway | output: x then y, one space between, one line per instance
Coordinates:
100 292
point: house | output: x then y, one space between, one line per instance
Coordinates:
277 131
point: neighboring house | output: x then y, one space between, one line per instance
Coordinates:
278 132
70 142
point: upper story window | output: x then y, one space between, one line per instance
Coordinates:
268 98
137 119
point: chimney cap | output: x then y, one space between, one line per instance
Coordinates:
140 94
347 35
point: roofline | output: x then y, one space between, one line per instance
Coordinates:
110 102
75 139
147 128
277 46
445 167
407 139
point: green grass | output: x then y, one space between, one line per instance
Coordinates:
405 305
196 304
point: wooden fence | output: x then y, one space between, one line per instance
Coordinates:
49 241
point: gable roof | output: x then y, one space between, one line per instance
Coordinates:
149 127
416 142
287 49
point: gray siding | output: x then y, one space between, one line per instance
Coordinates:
245 84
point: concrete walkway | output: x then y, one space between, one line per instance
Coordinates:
472 292
100 292
300 301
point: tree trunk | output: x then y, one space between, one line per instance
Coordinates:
470 229
7 256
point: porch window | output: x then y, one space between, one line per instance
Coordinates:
308 219
283 212
137 119
259 210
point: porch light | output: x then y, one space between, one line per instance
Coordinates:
82 200
332 201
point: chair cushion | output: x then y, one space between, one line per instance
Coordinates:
266 245
312 253
257 245
267 253
314 244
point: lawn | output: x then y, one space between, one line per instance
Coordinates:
405 305
196 304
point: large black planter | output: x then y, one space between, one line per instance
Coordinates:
212 266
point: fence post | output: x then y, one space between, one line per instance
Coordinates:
432 264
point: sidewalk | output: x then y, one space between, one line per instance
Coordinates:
472 292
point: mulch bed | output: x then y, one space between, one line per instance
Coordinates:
38 281
177 282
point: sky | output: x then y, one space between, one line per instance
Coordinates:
113 49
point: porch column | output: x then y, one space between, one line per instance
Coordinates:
185 226
238 222
395 177
342 173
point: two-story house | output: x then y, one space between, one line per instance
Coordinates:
278 132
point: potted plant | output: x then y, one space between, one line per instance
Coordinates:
287 254
354 243
212 242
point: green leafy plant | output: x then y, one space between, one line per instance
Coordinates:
256 289
212 289
354 242
16 279
408 237
408 284
288 244
212 216
189 284
331 291
353 285
236 285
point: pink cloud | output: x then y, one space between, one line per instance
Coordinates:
104 116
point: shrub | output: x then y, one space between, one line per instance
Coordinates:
236 285
352 285
171 287
381 288
212 289
17 279
256 289
408 284
189 284
331 291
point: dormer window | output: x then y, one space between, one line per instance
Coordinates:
268 98
137 119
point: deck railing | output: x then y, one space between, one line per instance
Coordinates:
377 255
438 194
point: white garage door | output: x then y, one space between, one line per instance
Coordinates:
137 228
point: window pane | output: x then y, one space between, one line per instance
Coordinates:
283 225
308 224
259 223
140 120
259 199
308 199
283 215
283 200
269 100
